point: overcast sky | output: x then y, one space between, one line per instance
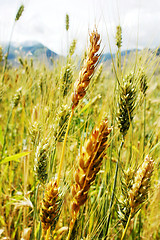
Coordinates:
44 21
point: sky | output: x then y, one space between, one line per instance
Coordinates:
44 21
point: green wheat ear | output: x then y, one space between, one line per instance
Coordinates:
61 123
67 22
98 74
35 132
41 161
143 81
127 102
16 98
119 36
72 47
123 203
19 13
67 79
21 61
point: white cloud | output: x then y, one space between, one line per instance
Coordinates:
44 21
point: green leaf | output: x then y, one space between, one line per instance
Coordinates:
14 157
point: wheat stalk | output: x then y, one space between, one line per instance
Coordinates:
18 15
90 160
143 80
126 104
14 103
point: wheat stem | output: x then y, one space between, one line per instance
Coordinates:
144 129
130 215
5 135
63 148
114 188
19 13
35 209
6 57
131 143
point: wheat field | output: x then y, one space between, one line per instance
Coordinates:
80 145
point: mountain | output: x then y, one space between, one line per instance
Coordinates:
35 50
108 56
40 53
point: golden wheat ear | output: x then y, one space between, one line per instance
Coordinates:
134 189
90 161
139 191
137 194
51 206
87 70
